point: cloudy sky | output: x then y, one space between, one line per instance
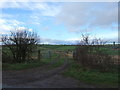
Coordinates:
61 22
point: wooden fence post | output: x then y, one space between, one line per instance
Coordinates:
114 45
39 54
49 54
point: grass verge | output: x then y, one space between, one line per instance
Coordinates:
94 77
21 66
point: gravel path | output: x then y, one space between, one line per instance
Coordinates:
41 78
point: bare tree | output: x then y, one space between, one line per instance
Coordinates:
85 40
21 44
91 52
98 41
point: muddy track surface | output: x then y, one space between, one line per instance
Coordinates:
41 77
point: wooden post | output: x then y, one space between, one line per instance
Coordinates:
114 45
39 55
49 54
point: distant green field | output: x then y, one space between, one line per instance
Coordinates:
56 47
107 49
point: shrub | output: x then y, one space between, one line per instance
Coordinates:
21 44
92 54
93 57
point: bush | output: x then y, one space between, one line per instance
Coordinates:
93 56
21 44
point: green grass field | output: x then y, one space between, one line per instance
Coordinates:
107 49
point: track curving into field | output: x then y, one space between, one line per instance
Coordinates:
41 77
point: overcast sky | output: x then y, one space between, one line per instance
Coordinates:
61 22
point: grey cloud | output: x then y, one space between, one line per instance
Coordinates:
92 14
107 15
71 13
